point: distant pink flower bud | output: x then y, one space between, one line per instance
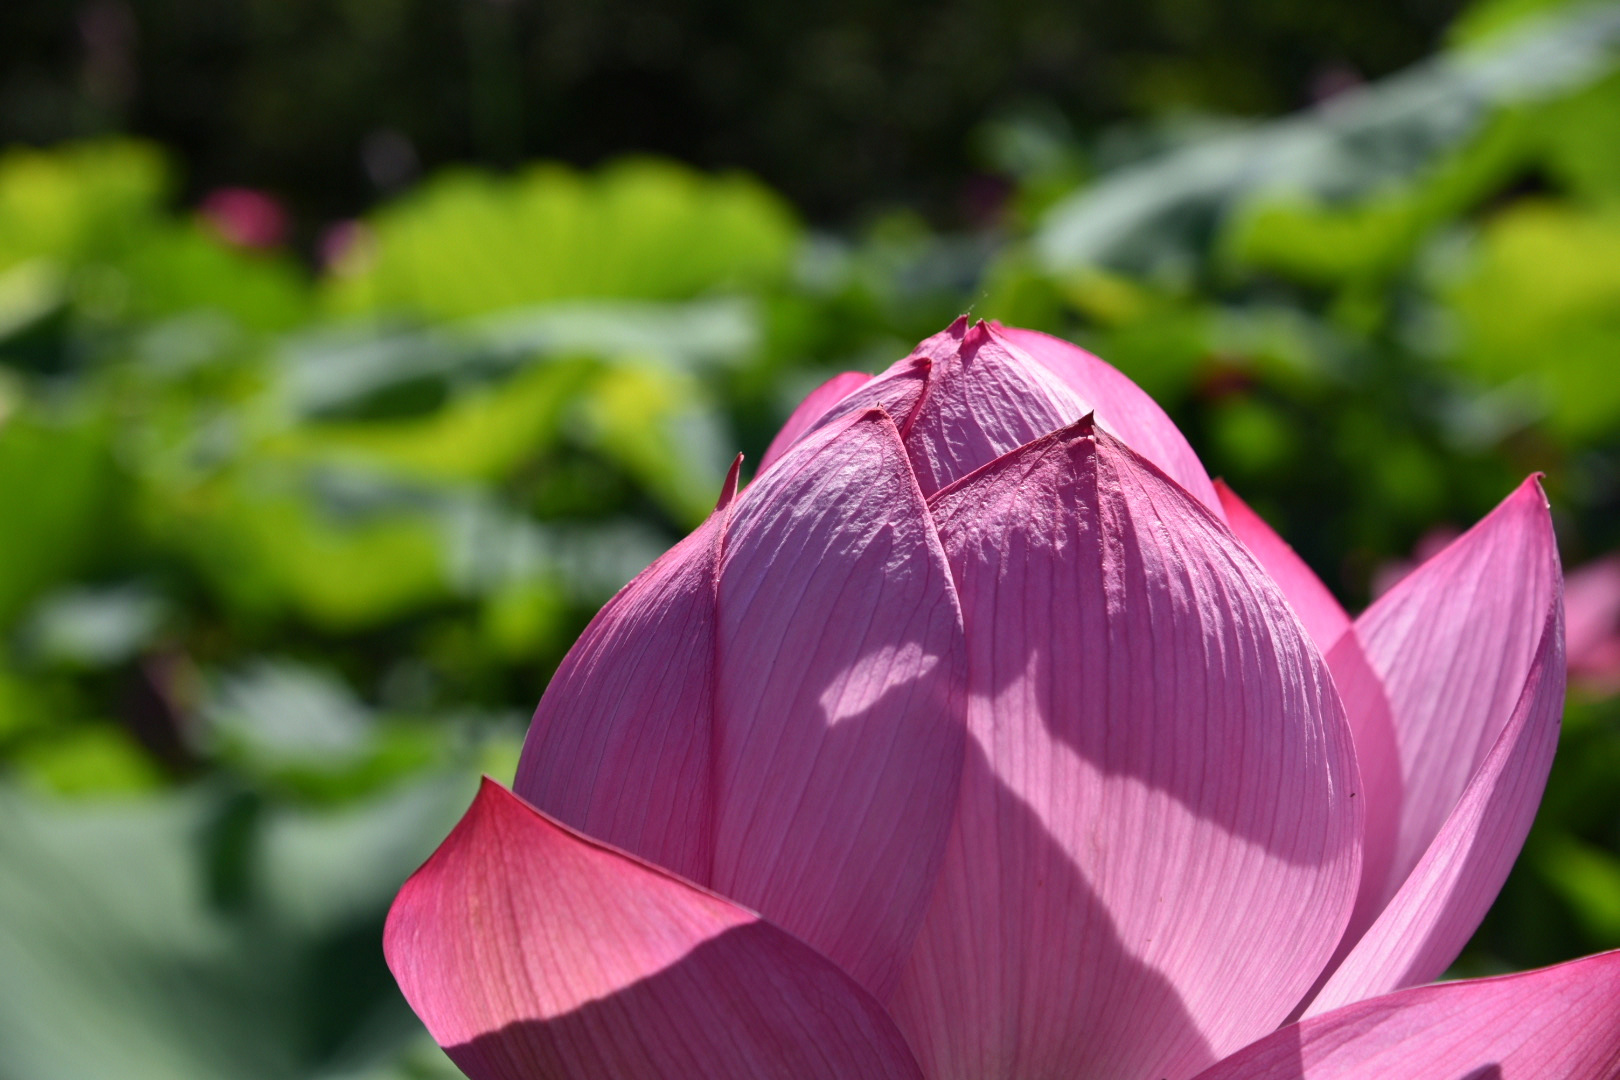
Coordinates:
1592 604
245 217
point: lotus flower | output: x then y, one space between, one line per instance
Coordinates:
982 737
1593 601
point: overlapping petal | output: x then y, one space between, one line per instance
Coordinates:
1156 845
897 391
815 405
838 698
1123 409
1324 617
621 743
774 709
983 400
1431 675
1441 903
1558 1023
969 394
532 951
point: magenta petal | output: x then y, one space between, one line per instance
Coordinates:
1156 848
1431 674
620 744
983 400
897 391
1324 617
838 699
1123 409
1439 907
533 952
1559 1023
811 409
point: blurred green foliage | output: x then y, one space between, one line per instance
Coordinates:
288 556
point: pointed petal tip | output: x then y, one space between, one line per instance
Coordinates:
877 414
728 489
975 336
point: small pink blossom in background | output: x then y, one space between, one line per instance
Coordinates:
1592 626
245 217
346 248
983 736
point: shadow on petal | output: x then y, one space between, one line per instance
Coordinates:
1021 971
723 1011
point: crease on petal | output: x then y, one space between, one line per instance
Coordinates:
1446 896
1559 1022
838 701
531 951
983 399
1324 617
1123 409
1431 674
1156 848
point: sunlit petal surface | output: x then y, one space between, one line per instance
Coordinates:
1425 926
839 699
1431 674
1156 845
1123 409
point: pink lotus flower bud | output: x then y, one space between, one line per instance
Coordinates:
982 736
245 217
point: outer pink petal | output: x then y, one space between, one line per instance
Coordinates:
1441 904
1156 847
838 700
1123 408
1430 675
1324 617
983 400
620 744
1559 1023
535 953
811 409
897 391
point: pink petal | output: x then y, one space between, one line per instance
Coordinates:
1324 617
897 391
811 409
1431 674
1559 1023
620 744
1156 848
1592 610
838 699
531 951
1442 902
982 401
1123 409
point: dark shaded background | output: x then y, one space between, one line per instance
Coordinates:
840 106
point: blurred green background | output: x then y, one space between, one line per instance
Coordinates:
352 352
